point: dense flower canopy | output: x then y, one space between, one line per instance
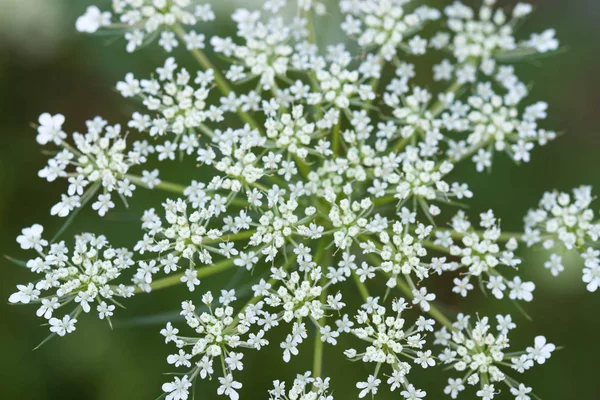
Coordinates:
331 168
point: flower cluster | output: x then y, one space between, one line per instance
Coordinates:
479 356
488 33
98 161
386 26
179 112
221 334
144 20
567 223
265 53
390 342
305 387
481 255
86 277
323 174
182 239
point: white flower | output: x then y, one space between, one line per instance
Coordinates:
304 386
170 333
47 307
103 204
422 298
50 129
150 179
544 42
84 277
31 238
591 276
480 353
462 286
541 350
554 264
370 386
180 359
25 294
105 310
521 290
228 387
425 359
96 159
92 20
178 389
413 394
190 278
62 326
234 361
521 392
455 386
505 323
487 392
65 206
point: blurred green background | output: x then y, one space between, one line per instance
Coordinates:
46 66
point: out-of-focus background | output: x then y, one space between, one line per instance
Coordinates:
45 66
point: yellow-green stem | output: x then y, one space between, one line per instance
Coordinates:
504 236
400 144
362 288
166 186
439 105
433 311
174 188
335 140
302 166
405 288
232 238
318 350
202 272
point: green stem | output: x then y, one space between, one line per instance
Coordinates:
375 85
362 288
435 247
202 272
525 54
175 188
380 201
318 357
312 33
319 344
433 311
320 256
302 166
232 238
405 288
504 236
400 144
166 186
471 152
335 139
439 105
